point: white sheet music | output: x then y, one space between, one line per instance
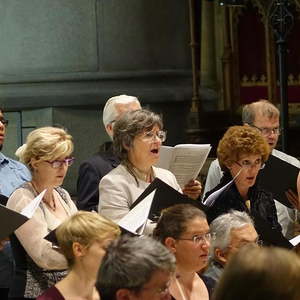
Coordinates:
135 221
29 210
295 241
184 161
210 200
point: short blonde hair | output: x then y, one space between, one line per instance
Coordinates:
241 140
84 227
46 143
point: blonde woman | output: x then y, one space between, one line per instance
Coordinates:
47 153
83 239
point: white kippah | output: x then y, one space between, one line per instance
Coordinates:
109 111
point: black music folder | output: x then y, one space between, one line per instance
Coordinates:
3 200
156 197
277 177
164 197
10 221
269 236
51 237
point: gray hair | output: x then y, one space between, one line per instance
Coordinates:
131 124
222 226
109 111
130 262
264 107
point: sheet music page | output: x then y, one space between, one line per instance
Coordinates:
187 161
30 209
138 216
165 156
210 200
295 241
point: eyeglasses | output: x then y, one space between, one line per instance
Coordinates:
200 239
162 291
257 242
268 131
59 163
247 164
151 136
4 121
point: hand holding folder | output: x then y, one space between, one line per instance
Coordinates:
278 177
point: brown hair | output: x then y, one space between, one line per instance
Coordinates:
241 140
173 221
131 124
255 273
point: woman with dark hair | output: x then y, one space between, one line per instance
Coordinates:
138 136
242 152
183 229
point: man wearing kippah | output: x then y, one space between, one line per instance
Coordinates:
94 168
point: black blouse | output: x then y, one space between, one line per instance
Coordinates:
261 202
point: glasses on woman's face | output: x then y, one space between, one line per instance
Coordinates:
150 136
161 291
200 239
59 163
247 164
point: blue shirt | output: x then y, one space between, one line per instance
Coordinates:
12 175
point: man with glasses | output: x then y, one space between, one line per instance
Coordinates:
135 268
12 175
231 232
97 166
264 116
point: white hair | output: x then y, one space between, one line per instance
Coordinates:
222 226
110 113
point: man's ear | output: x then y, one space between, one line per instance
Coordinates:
220 256
170 243
109 130
123 294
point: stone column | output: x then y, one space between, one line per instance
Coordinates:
208 52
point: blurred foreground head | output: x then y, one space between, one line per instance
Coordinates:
256 273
